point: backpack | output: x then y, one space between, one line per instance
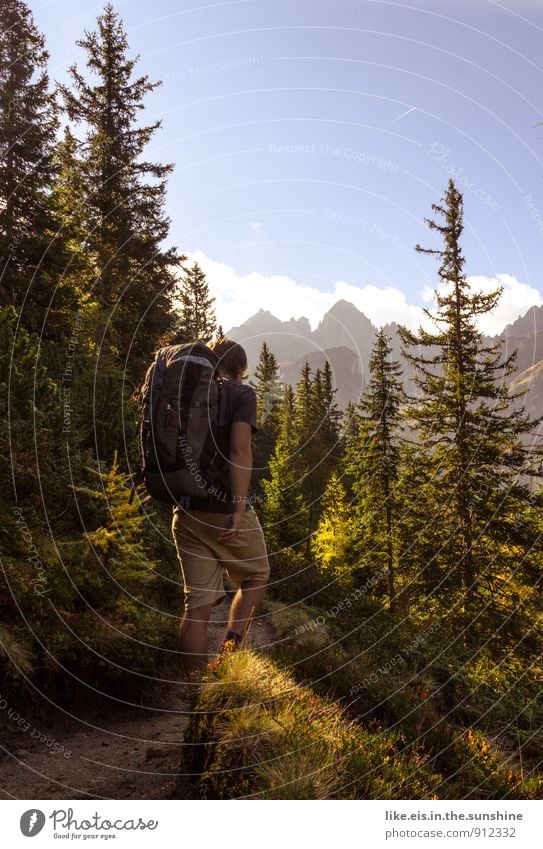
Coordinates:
177 426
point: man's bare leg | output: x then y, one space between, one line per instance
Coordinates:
193 638
245 602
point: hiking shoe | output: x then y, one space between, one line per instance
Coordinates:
231 643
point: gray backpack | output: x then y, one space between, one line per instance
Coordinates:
177 429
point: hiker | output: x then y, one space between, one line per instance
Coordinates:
223 533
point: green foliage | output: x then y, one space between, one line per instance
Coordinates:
30 415
82 227
306 452
120 208
470 435
284 509
373 454
15 654
331 541
269 391
196 319
472 714
32 245
317 438
116 547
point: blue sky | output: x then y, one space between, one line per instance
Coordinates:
310 138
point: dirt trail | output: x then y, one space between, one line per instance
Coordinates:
130 753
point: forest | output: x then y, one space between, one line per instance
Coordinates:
404 533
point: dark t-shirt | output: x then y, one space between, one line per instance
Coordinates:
237 404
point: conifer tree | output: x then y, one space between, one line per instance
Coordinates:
331 541
31 417
124 198
117 543
197 314
268 392
349 431
267 384
284 508
32 248
122 207
318 438
464 414
333 417
374 461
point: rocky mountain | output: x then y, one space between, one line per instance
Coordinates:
287 339
347 372
345 337
525 335
344 326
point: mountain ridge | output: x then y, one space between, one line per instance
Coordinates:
345 337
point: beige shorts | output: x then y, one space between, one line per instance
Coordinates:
204 560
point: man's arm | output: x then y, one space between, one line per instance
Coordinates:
241 462
241 469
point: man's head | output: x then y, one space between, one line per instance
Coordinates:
232 358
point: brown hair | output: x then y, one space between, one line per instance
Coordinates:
232 357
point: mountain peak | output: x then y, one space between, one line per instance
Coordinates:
342 306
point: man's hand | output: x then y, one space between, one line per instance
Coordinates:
231 531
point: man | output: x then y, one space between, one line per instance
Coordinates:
226 535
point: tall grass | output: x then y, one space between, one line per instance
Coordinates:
256 733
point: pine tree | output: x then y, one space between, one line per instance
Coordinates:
123 200
284 505
115 549
267 385
374 461
197 315
464 417
331 541
333 417
349 431
318 438
32 248
31 418
268 392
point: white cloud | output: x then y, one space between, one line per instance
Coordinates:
238 297
381 306
516 300
255 226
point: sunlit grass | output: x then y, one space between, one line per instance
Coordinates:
256 733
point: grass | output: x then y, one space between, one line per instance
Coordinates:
476 717
256 733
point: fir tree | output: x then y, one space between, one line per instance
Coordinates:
333 415
464 416
124 198
284 505
331 541
197 314
115 550
374 461
268 392
266 385
31 418
32 247
318 438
